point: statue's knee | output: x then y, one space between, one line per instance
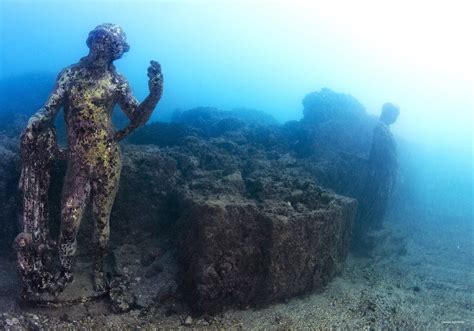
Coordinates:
71 216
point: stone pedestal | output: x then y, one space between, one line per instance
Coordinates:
79 291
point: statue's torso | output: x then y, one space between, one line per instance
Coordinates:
90 99
383 153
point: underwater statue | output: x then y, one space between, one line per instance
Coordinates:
381 176
88 92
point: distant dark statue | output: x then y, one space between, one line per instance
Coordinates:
88 92
381 174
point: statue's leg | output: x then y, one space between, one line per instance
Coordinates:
76 191
104 189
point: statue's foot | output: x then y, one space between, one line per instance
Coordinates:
61 281
100 281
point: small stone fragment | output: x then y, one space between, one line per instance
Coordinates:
188 321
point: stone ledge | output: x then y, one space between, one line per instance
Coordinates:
236 253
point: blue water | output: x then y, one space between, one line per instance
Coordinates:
267 57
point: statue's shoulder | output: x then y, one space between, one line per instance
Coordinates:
120 81
119 77
67 73
381 128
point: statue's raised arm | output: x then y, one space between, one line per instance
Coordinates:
139 114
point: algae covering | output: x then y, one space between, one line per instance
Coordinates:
88 92
34 244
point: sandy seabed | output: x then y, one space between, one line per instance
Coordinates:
420 276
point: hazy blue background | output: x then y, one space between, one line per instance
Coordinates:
268 55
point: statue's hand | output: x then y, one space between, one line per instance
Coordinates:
155 82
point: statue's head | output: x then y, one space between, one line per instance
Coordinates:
108 40
389 113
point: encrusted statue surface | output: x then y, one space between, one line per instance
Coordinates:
381 177
33 244
88 92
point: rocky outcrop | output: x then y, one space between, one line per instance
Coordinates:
237 252
247 224
327 105
9 195
214 122
143 278
244 225
333 140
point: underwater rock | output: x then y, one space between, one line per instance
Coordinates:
9 194
188 321
158 283
221 252
306 247
246 220
121 299
162 134
237 253
141 207
326 105
135 285
214 122
333 140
